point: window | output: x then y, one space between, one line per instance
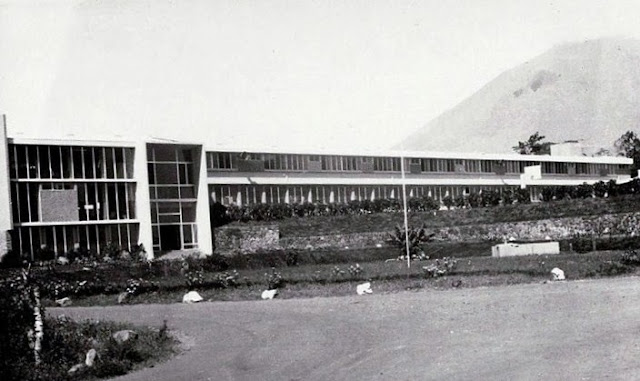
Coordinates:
485 166
220 160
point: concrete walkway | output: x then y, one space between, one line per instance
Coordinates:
587 330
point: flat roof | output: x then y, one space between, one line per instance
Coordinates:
426 154
128 142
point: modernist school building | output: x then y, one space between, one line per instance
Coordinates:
63 195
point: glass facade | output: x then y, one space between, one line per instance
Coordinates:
68 197
172 188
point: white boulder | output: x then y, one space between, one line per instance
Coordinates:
64 302
62 261
91 357
76 368
122 297
124 335
269 294
364 288
557 274
192 297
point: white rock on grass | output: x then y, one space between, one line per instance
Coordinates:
269 294
62 261
122 297
64 302
74 369
364 288
124 335
192 297
90 358
557 274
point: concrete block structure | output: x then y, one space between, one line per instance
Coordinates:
514 249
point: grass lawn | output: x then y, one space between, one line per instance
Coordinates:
321 280
327 225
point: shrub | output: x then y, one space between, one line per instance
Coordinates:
474 200
292 258
355 270
600 189
417 236
490 198
111 249
194 279
214 262
630 258
507 196
548 193
140 286
225 279
448 201
16 319
273 279
440 267
584 191
522 196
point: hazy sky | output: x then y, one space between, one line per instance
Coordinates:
268 73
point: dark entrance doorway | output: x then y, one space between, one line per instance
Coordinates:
170 237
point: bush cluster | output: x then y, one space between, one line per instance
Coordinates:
80 255
221 215
440 267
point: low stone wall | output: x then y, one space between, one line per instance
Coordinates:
339 241
557 228
245 238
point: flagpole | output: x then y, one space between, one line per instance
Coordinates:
404 209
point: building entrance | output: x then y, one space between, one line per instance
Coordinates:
170 237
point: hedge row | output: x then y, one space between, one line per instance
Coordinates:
221 215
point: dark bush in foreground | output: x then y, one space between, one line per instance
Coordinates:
64 343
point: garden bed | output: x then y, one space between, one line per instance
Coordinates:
169 283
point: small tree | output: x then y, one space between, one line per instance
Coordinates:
629 145
533 146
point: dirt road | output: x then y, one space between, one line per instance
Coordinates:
587 330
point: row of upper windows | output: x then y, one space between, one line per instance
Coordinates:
69 162
334 163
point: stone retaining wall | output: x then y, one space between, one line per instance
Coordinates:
246 238
557 228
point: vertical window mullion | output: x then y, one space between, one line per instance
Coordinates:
117 206
113 162
38 161
15 157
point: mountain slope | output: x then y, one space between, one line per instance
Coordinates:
586 91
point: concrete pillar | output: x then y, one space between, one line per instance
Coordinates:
143 201
203 221
6 218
